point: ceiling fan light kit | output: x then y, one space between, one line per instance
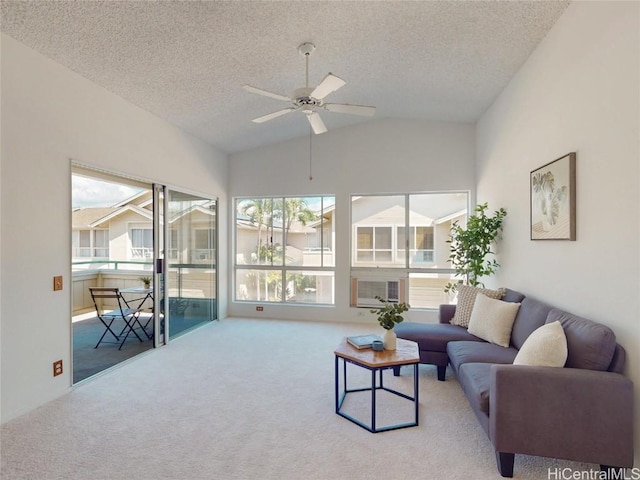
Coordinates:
310 99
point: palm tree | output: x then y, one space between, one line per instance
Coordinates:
260 213
297 209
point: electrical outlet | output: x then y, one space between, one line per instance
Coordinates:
57 368
57 283
259 308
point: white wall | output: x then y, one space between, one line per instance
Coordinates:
384 155
50 115
579 91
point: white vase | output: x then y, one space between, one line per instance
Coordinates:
390 340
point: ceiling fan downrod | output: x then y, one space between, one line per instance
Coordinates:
305 50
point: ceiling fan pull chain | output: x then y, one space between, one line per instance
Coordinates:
310 153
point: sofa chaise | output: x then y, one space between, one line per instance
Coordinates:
582 411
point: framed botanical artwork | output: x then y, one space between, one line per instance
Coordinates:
553 200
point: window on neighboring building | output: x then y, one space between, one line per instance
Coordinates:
204 248
101 243
374 244
173 247
84 244
421 244
90 244
284 249
141 243
405 236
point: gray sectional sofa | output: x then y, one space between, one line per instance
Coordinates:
582 412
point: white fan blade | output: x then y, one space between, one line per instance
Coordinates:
363 110
265 93
317 124
270 116
331 83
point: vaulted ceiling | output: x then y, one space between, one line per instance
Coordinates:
187 61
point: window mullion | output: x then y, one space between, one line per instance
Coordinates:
407 229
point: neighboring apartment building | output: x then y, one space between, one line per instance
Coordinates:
124 233
113 246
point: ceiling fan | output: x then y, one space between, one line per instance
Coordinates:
309 100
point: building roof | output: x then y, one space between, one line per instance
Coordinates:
148 214
82 218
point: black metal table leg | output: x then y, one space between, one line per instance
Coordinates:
415 390
373 400
336 382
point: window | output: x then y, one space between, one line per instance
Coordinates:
83 247
173 247
90 244
101 243
284 249
421 242
405 236
374 244
141 243
204 248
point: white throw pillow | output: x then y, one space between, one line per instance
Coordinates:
492 320
466 300
545 347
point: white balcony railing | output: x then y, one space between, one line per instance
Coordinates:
142 252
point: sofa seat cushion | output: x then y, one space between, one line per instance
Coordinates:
590 345
475 380
462 352
432 337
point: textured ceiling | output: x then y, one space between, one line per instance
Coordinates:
186 61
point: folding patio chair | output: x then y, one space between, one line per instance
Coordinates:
122 310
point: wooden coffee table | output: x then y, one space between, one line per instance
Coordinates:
375 361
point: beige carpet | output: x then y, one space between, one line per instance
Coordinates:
248 399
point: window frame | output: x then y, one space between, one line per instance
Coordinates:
401 267
90 247
147 251
281 267
374 250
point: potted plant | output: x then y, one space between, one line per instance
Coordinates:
471 244
388 315
146 281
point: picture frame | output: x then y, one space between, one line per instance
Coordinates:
553 200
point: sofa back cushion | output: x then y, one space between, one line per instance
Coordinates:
590 345
619 357
512 296
531 316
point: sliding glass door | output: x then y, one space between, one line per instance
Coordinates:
156 246
190 261
111 248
